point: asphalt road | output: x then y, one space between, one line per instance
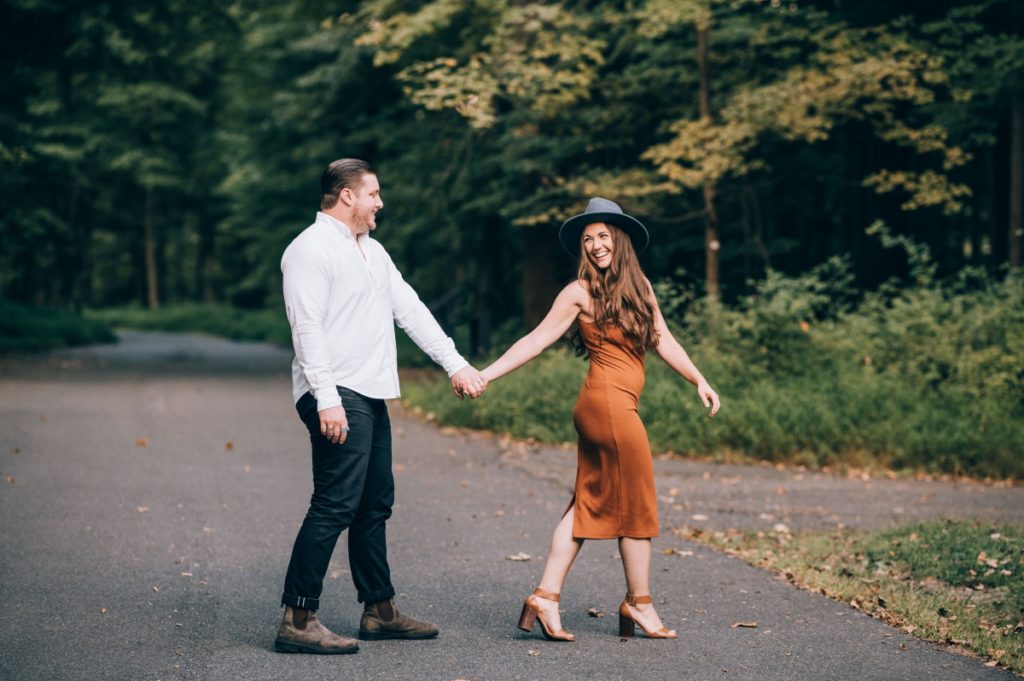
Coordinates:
150 493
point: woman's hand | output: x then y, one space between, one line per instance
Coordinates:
708 396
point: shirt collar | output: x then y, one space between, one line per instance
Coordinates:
342 228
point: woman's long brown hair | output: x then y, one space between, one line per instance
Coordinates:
620 293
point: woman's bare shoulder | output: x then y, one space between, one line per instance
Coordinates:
577 291
579 294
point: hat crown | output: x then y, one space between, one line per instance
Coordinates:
602 210
599 205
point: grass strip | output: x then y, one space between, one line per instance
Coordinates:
267 325
27 328
957 583
225 321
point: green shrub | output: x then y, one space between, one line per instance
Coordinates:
924 377
25 328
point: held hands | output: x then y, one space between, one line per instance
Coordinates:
334 424
468 381
709 397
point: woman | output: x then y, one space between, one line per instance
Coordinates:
619 321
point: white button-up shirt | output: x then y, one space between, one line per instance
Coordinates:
341 297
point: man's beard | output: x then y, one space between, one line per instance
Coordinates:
365 222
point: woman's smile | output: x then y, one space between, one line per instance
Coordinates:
598 244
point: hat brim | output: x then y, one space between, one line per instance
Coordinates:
571 229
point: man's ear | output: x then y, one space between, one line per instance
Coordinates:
347 196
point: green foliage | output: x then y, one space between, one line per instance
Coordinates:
25 328
197 133
924 378
218 320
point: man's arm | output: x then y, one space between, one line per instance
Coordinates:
415 319
306 290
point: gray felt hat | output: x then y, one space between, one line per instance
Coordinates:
602 210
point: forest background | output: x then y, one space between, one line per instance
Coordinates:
834 191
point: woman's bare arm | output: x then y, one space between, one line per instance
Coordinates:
675 356
570 302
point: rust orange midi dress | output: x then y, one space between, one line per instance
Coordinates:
614 493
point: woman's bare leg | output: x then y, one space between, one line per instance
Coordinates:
563 551
636 562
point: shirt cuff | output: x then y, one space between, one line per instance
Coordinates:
455 366
327 398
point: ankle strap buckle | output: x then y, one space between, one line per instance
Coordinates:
634 600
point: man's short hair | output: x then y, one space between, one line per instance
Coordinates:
345 172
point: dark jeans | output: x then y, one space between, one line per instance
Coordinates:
353 489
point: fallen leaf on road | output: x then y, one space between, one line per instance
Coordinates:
142 509
157 589
10 479
699 516
673 492
142 442
103 611
518 556
677 552
186 574
744 625
594 612
464 483
535 653
229 445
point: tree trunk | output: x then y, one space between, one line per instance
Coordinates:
488 274
1016 230
149 250
711 242
754 206
540 272
202 288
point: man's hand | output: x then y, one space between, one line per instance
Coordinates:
468 381
334 424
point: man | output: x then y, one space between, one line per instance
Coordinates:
342 296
